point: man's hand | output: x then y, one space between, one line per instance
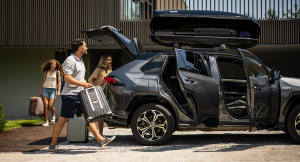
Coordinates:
86 85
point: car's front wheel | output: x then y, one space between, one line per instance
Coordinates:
293 123
152 124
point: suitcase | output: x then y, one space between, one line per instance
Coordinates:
94 104
218 32
36 107
77 130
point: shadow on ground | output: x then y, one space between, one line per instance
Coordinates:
47 141
226 142
222 142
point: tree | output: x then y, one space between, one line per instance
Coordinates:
271 14
295 14
2 120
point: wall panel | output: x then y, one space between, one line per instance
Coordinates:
58 22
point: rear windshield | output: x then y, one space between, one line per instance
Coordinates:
153 66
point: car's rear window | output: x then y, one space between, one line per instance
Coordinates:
153 66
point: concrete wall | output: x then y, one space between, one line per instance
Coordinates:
21 78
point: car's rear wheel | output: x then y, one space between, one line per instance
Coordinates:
293 123
152 124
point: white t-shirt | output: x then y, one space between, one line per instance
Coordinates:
74 66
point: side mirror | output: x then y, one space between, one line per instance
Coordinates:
275 75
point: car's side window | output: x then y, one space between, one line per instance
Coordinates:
231 68
153 66
181 64
256 68
194 63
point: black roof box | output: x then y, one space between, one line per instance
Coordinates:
199 28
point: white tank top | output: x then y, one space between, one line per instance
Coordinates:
51 81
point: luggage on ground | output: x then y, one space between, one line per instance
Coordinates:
94 104
77 130
36 107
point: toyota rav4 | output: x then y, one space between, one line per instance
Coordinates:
160 92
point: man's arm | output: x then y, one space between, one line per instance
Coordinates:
69 79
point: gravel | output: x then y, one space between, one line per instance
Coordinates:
190 140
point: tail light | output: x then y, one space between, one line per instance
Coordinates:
113 81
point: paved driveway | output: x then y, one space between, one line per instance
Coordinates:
183 146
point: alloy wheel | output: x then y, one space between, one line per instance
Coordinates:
152 125
297 123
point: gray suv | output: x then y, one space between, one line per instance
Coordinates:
160 92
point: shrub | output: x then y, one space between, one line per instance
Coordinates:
2 120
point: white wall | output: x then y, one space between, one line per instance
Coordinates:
21 78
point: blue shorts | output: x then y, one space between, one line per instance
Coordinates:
49 92
70 106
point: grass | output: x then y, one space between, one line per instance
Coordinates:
21 123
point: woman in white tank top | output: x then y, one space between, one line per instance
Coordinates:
51 87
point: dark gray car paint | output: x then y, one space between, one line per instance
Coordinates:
122 95
263 103
290 88
204 91
163 93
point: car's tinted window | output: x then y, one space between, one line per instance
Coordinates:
256 68
231 68
153 66
181 65
194 63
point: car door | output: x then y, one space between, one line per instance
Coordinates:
262 95
199 87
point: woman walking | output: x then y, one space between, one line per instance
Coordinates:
51 87
97 78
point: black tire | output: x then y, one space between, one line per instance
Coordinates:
286 131
154 134
292 127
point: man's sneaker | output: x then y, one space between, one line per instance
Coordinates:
55 149
106 140
46 124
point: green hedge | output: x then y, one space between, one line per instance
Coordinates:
2 120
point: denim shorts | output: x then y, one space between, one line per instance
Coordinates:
70 105
49 92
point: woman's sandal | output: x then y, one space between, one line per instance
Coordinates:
53 120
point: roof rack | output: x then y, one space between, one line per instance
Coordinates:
222 47
177 45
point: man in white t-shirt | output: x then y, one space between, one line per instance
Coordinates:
74 72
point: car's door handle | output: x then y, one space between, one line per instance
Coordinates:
257 88
189 80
